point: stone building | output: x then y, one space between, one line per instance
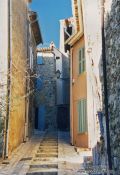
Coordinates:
17 56
52 90
112 48
45 91
62 89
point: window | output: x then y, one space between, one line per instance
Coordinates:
81 60
82 116
40 60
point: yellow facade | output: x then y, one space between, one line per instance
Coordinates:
78 92
16 128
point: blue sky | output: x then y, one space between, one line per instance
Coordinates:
50 12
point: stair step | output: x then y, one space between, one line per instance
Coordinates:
46 155
48 146
49 143
42 173
44 159
44 165
48 151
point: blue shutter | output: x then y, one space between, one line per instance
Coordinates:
40 60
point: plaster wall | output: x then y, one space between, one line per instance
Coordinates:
18 74
79 91
92 31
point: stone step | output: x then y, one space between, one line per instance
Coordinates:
42 173
46 155
50 139
43 165
46 143
45 159
47 151
49 144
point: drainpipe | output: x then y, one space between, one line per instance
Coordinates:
26 134
5 151
105 88
71 97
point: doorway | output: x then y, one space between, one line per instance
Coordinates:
40 118
63 119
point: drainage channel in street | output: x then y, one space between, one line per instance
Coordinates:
45 161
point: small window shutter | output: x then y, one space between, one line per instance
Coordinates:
82 116
81 60
39 60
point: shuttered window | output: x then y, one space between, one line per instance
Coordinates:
81 60
82 116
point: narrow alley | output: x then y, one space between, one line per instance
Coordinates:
46 153
59 87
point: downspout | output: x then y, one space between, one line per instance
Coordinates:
71 98
5 154
105 88
26 134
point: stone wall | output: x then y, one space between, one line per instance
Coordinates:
112 39
46 85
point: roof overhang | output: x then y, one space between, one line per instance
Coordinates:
44 50
35 27
74 38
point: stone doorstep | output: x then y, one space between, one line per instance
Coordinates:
79 150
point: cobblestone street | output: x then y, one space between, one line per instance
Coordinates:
33 157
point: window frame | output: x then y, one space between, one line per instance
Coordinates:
82 116
81 61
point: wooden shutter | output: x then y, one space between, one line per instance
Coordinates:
81 60
82 116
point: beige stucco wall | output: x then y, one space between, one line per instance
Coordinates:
18 80
79 91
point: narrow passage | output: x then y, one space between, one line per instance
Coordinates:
45 161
